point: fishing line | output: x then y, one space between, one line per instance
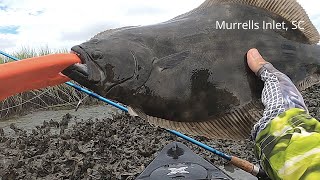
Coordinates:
26 101
72 99
9 106
44 93
240 163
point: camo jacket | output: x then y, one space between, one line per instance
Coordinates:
289 146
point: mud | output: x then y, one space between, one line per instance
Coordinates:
118 147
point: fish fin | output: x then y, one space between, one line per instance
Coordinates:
171 61
308 82
235 125
135 112
290 10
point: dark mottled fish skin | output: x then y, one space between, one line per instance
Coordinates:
185 70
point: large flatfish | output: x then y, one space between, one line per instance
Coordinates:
190 73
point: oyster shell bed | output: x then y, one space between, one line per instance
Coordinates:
107 148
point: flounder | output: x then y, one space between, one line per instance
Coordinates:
190 74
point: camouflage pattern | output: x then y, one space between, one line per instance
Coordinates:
289 146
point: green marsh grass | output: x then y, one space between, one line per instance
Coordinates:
61 96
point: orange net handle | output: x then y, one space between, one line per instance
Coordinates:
34 73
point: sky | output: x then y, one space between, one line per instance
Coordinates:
61 24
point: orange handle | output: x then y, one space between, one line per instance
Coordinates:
34 73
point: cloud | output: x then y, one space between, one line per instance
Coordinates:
87 31
9 29
3 8
7 41
62 24
36 13
144 10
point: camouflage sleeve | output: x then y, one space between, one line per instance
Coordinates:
289 146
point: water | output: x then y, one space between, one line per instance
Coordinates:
30 121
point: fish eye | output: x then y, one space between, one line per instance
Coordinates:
96 54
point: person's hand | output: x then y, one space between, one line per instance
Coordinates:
255 60
288 90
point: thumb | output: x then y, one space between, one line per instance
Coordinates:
255 60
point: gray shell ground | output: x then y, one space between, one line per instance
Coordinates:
187 75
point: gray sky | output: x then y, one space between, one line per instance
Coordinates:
64 23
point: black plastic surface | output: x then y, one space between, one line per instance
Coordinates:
177 161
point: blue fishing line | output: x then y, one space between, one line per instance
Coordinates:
90 93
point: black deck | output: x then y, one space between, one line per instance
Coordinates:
177 161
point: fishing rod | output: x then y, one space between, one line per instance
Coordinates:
9 56
240 163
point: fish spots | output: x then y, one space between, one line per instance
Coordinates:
288 50
109 73
209 97
288 47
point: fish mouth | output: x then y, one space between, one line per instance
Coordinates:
93 70
94 73
81 53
